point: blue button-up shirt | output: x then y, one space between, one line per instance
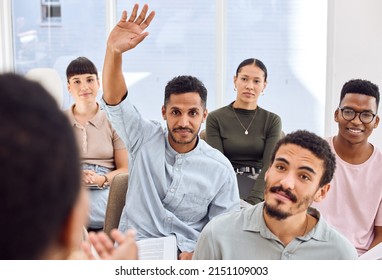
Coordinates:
170 192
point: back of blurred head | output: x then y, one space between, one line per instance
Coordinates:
41 203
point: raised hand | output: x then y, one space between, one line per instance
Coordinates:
127 34
126 250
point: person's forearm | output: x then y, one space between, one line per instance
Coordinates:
113 81
377 236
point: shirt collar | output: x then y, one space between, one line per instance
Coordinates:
255 213
97 120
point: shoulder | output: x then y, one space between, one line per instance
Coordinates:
227 220
220 112
213 154
335 239
268 114
69 114
378 152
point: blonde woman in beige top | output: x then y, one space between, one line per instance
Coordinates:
103 153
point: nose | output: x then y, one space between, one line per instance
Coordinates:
250 85
183 121
357 118
288 181
84 86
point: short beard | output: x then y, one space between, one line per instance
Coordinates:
273 212
182 142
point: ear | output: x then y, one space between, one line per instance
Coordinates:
205 113
376 121
266 174
68 86
321 193
99 83
234 82
164 113
265 85
336 112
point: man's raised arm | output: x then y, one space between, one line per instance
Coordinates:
126 35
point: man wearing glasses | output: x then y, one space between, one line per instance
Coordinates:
354 204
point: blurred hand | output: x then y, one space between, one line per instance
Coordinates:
104 246
185 256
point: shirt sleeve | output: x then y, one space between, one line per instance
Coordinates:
213 137
227 199
205 246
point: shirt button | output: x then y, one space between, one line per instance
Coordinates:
169 219
172 190
177 169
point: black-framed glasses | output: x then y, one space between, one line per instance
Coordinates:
350 114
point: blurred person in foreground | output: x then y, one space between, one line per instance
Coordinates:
43 208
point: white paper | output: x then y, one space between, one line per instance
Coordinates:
161 248
374 253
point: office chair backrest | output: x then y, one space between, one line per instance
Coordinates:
116 201
50 80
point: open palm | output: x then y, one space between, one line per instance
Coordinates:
127 34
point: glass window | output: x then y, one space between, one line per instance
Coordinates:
181 42
81 32
207 39
50 11
290 38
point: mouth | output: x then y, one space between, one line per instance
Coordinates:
182 131
355 131
248 94
283 195
85 94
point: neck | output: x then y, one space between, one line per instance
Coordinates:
353 153
84 112
246 106
290 228
182 148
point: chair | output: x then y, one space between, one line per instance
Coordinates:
116 202
50 80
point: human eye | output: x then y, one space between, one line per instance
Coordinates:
367 115
90 80
243 78
280 167
305 177
77 82
348 112
193 113
175 112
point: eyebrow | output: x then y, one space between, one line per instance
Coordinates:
189 109
89 76
247 76
307 168
348 107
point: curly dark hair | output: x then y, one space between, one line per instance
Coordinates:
360 86
314 143
184 84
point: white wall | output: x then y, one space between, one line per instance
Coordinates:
354 51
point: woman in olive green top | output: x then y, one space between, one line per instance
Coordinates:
245 133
